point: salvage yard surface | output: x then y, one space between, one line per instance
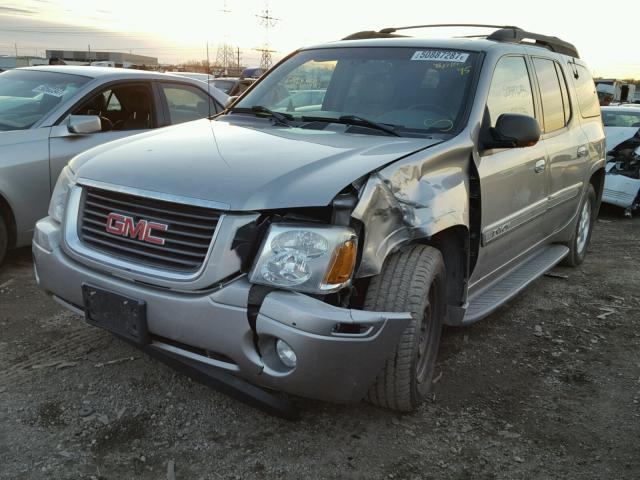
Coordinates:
547 387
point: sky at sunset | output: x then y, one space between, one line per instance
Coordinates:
179 31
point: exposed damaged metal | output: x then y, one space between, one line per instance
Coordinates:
412 199
622 181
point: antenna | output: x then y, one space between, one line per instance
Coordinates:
208 82
267 21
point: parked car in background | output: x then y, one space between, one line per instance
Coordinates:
622 181
50 114
298 99
252 72
319 251
233 86
203 77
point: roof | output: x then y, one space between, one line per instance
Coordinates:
628 107
503 36
470 44
98 72
109 73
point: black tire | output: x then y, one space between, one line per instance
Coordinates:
413 281
4 239
578 244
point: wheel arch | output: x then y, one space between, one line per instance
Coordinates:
597 181
454 243
9 218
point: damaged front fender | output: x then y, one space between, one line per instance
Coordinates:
414 198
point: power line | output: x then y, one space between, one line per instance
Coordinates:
267 21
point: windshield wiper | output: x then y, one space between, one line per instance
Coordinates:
355 120
281 118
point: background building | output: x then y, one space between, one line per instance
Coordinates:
8 62
117 59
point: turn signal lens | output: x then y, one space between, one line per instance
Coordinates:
342 265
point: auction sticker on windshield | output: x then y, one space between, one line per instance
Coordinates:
440 55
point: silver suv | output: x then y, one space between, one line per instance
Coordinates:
317 249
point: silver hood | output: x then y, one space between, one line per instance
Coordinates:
250 166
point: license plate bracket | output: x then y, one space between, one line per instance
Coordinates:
116 313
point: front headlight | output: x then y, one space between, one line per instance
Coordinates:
60 193
313 259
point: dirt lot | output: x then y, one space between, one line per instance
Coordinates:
547 387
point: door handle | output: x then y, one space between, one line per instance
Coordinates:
583 151
540 166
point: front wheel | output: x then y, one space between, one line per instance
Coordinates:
582 233
411 281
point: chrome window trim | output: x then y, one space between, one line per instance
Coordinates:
76 247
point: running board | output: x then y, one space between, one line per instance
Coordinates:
507 287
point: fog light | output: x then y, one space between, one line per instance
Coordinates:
286 354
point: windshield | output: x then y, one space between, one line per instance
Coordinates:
621 119
224 85
413 90
26 96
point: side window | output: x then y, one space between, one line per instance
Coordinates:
510 90
122 107
550 94
187 103
113 104
586 93
565 94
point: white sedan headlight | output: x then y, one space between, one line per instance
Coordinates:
60 193
313 259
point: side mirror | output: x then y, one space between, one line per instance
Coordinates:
230 101
514 130
84 124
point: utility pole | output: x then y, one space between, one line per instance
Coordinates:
238 60
225 55
89 55
16 47
267 21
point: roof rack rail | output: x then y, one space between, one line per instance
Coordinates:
504 33
438 25
370 34
517 35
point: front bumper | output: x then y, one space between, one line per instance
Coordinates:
212 327
620 190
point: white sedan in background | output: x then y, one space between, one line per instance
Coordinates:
49 114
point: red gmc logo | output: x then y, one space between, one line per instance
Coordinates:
124 226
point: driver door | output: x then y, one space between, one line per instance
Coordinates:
125 109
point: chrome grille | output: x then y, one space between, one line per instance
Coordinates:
189 233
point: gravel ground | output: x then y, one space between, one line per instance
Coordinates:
547 387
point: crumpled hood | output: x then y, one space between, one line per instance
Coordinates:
617 135
254 166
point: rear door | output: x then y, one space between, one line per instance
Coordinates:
564 141
514 183
125 108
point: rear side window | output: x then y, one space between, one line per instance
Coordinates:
187 103
586 93
550 94
510 89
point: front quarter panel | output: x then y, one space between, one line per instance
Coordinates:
414 198
24 178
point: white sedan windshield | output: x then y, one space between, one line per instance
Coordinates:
26 96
